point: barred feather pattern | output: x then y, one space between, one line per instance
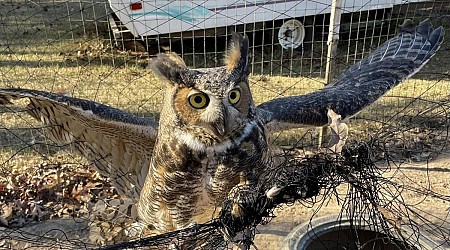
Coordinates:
118 148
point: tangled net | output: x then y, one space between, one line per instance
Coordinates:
374 195
298 179
303 179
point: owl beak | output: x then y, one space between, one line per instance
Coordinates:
219 127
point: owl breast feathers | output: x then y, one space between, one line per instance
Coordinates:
211 137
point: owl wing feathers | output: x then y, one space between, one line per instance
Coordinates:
118 145
361 84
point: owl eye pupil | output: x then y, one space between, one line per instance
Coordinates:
234 96
198 99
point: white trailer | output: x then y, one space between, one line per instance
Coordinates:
144 18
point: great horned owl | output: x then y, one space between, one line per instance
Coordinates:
211 136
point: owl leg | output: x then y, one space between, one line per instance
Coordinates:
243 240
339 132
236 194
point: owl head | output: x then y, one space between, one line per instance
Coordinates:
206 107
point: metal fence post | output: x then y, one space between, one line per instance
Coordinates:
332 42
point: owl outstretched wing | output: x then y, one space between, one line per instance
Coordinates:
361 84
118 145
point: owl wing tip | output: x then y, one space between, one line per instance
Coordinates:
425 29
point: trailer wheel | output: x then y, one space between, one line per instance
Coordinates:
291 34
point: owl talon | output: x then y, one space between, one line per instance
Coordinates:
339 132
274 191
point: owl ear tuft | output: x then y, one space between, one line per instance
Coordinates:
237 57
170 67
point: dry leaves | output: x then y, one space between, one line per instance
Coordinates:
50 191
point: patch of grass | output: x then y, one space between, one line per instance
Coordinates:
56 47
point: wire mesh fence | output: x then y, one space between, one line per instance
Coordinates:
100 50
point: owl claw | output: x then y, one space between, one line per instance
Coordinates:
274 191
339 132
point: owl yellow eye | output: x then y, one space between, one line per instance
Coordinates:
198 100
234 96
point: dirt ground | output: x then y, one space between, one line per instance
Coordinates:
434 175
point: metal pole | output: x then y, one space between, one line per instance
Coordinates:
333 38
332 42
